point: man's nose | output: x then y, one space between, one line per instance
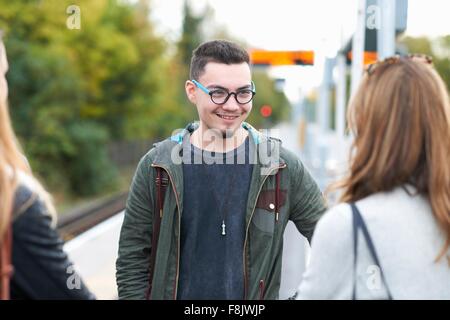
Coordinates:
231 104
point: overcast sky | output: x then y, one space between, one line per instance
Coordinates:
319 25
296 24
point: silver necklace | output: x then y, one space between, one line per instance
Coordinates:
225 204
233 179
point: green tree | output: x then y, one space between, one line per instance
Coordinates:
73 91
438 48
417 45
191 35
267 94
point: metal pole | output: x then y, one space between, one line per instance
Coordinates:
324 95
358 46
386 34
341 88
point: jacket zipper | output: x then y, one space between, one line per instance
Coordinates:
179 224
246 230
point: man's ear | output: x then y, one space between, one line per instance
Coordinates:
190 87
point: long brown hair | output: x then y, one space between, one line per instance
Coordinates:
12 163
400 118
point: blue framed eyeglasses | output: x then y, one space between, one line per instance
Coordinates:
220 96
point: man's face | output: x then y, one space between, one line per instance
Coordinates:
228 117
3 70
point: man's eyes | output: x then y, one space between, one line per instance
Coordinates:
224 92
219 93
244 92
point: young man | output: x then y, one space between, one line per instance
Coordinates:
231 191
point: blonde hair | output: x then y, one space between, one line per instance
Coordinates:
400 117
12 163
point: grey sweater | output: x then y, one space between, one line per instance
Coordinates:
406 237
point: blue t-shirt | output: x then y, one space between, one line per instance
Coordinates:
215 191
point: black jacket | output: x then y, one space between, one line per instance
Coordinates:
42 269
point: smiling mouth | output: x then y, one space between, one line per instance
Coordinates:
227 117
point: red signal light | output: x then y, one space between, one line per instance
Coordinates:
266 111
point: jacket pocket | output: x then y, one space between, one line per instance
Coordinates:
264 220
265 216
266 200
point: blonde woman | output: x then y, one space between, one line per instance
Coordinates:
40 268
390 236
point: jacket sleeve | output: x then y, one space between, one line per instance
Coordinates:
42 269
132 265
308 203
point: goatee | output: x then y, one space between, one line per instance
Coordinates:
228 133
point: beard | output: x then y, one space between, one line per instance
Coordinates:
228 133
222 133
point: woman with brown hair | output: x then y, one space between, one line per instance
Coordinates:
33 264
390 236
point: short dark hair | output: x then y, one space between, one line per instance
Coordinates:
221 51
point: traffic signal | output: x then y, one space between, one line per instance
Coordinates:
266 111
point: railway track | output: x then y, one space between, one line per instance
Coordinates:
75 223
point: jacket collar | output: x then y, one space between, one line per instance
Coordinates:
169 151
191 127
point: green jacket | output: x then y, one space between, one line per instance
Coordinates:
300 201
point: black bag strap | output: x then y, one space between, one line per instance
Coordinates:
358 223
161 182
